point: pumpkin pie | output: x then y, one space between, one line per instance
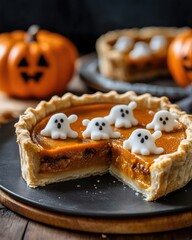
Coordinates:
47 157
135 54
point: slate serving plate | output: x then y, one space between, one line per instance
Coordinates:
163 86
99 196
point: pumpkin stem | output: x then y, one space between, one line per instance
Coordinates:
32 33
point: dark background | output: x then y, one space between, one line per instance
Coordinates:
83 21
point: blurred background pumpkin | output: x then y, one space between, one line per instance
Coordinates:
36 63
180 58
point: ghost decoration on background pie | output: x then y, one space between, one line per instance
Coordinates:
143 142
122 115
163 121
124 44
58 127
98 128
140 50
158 43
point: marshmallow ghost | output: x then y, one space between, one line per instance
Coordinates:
143 142
163 121
124 44
122 115
158 43
58 126
140 50
98 128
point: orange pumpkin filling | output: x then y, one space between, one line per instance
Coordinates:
75 154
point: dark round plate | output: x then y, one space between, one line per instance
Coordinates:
99 196
164 86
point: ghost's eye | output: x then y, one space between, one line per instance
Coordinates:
121 110
96 124
56 121
166 118
161 119
146 137
103 124
61 120
139 135
127 112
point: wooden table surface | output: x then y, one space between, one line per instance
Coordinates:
16 227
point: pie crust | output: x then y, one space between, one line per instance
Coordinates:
117 65
168 172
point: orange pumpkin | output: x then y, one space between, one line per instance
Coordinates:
36 63
180 58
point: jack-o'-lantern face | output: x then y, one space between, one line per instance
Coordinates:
187 57
187 65
33 69
180 58
41 66
36 63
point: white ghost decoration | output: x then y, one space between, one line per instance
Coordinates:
140 50
122 115
163 121
158 43
58 126
123 44
143 142
98 128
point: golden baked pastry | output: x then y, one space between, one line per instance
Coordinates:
135 54
47 157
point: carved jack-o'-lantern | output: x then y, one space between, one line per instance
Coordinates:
35 64
180 58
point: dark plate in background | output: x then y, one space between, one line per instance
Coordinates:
164 86
99 196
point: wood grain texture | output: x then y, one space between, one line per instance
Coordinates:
12 226
100 225
39 231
